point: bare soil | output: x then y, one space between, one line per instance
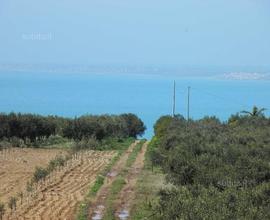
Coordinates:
58 196
17 167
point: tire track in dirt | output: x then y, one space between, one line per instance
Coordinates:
98 206
58 200
127 194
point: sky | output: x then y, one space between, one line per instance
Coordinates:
141 32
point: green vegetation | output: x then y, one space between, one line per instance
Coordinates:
217 170
22 130
12 203
97 185
53 141
105 126
255 112
58 161
146 195
2 210
41 173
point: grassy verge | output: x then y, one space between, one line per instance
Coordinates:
148 185
84 206
150 181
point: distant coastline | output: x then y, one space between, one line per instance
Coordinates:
245 76
194 71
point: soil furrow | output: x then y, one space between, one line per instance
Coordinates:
58 199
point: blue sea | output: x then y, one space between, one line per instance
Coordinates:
148 96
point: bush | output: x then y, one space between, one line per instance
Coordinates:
59 161
2 210
219 170
5 145
198 202
12 203
17 142
40 174
51 140
48 130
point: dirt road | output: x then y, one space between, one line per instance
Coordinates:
123 201
98 206
126 196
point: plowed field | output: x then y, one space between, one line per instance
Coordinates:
17 167
57 197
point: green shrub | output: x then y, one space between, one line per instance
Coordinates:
48 130
40 174
59 161
2 210
12 203
17 142
219 170
4 144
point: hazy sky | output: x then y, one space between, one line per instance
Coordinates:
148 32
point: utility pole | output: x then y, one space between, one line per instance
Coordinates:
188 107
173 113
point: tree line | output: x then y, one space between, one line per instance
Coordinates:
219 170
32 127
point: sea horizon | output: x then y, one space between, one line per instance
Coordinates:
148 96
